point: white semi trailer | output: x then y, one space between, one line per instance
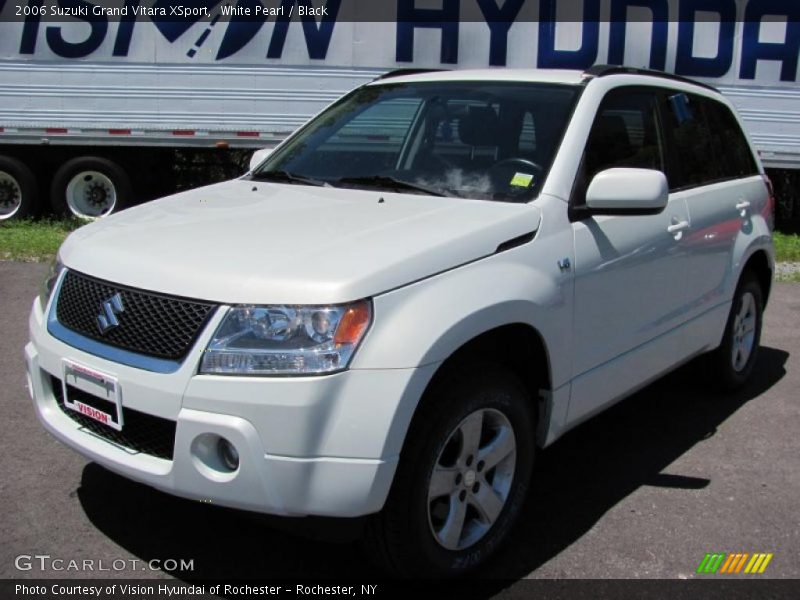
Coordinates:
101 108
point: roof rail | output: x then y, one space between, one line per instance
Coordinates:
603 70
403 72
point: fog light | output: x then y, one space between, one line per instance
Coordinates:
228 454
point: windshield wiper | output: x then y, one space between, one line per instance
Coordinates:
390 183
287 177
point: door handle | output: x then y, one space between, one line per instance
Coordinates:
677 227
742 208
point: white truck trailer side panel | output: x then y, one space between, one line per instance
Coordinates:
250 84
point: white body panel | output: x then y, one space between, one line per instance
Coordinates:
612 189
164 245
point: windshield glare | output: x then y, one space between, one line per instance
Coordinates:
484 140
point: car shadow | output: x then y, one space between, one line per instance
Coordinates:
577 481
595 466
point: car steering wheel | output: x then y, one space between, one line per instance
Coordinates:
509 163
501 173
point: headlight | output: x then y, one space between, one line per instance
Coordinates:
286 340
49 284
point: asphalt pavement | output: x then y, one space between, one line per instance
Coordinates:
645 490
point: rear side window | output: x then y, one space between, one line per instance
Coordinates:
625 133
729 141
693 142
708 144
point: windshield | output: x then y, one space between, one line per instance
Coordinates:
476 139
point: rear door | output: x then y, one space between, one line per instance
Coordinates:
716 174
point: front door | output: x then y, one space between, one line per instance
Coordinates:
629 270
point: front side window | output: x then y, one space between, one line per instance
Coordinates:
482 140
625 133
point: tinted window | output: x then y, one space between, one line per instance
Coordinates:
455 144
370 141
625 133
527 136
476 139
729 141
709 145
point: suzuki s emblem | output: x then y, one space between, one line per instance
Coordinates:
107 319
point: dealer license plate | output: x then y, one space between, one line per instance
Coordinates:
104 402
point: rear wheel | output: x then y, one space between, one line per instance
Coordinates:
90 188
462 479
18 193
733 361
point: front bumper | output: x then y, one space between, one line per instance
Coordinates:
324 446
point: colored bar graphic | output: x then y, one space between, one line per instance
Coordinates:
755 562
764 564
702 567
722 563
741 562
711 562
734 563
732 559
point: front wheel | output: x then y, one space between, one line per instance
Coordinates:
462 478
733 361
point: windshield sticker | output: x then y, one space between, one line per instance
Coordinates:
522 179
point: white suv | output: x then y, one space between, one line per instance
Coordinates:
437 275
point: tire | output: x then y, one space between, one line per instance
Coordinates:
416 534
18 190
90 188
732 363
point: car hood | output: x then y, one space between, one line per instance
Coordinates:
254 242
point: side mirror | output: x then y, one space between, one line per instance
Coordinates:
623 191
259 156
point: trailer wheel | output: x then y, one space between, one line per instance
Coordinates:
17 189
90 188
